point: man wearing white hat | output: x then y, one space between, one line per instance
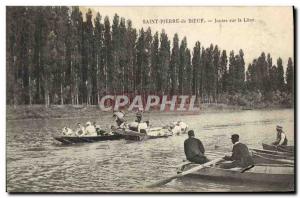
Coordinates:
281 137
90 130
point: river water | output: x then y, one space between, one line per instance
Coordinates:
35 162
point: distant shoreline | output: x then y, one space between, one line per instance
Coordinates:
24 112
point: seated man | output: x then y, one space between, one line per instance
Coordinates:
80 131
183 126
142 127
175 128
240 155
90 130
281 137
67 131
99 131
194 149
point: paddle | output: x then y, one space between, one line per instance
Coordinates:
167 180
247 168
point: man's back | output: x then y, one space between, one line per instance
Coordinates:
240 152
193 147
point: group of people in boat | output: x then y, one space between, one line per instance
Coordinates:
240 157
89 130
141 126
138 125
94 130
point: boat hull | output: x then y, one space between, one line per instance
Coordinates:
260 174
136 136
86 139
283 155
263 158
287 149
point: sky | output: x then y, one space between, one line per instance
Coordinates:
261 29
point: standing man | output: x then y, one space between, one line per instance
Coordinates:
240 155
120 120
139 117
194 149
281 139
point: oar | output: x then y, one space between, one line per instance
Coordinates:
247 168
167 180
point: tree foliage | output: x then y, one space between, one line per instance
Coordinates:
56 57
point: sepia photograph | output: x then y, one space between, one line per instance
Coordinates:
150 99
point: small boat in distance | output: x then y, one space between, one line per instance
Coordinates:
263 158
280 148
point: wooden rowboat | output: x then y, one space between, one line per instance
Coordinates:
86 139
136 136
287 149
281 154
263 158
283 175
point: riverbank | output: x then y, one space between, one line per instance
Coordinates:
66 111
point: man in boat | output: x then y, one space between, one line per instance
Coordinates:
80 131
99 131
240 155
67 131
175 128
139 117
120 120
194 149
90 130
183 126
281 139
138 125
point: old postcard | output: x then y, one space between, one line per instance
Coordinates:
150 99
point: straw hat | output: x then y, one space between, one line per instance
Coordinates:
279 127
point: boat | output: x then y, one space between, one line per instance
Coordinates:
281 148
264 174
263 158
151 133
277 153
274 155
86 139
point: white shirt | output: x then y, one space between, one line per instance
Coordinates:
81 130
281 138
90 131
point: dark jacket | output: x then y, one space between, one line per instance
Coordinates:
240 154
193 147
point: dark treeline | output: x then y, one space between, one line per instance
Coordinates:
54 57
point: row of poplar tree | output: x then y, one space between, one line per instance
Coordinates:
55 57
